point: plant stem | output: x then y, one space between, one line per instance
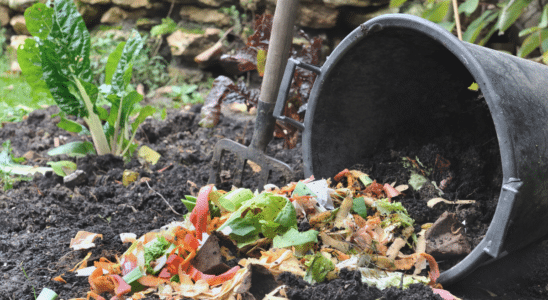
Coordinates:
129 143
117 129
94 123
457 18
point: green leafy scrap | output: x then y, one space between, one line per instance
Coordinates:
416 181
153 251
63 167
319 266
265 213
9 165
358 206
190 202
232 200
396 209
302 240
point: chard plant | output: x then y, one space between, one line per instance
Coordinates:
57 60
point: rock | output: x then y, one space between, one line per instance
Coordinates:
133 4
17 40
205 15
250 4
31 155
95 2
209 259
21 5
4 15
115 15
19 25
189 45
90 13
76 178
445 239
181 1
258 282
192 75
215 3
146 24
317 16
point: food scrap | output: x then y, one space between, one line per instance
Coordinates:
308 228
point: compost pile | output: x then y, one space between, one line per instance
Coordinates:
345 229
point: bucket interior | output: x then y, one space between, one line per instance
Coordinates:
398 89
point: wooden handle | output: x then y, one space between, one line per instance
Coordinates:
278 49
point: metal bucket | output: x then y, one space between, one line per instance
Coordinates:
396 69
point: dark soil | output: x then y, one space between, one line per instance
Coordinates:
350 287
464 164
38 218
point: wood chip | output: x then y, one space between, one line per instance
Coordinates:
402 187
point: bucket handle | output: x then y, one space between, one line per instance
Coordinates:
284 90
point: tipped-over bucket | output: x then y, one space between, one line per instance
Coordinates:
400 76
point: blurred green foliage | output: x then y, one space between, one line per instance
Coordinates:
16 97
482 19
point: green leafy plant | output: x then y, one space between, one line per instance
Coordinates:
168 26
186 93
235 16
11 171
57 60
480 27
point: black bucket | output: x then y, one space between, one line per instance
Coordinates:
391 75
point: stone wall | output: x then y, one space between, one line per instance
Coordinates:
314 14
331 19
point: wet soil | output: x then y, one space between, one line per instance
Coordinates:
38 218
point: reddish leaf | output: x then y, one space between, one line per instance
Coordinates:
211 111
263 28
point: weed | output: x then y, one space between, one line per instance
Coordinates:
24 272
186 94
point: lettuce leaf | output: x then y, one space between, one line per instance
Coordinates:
265 213
318 269
302 240
232 200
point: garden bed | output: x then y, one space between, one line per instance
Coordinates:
40 217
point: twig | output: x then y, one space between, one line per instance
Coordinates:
457 18
173 210
171 8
